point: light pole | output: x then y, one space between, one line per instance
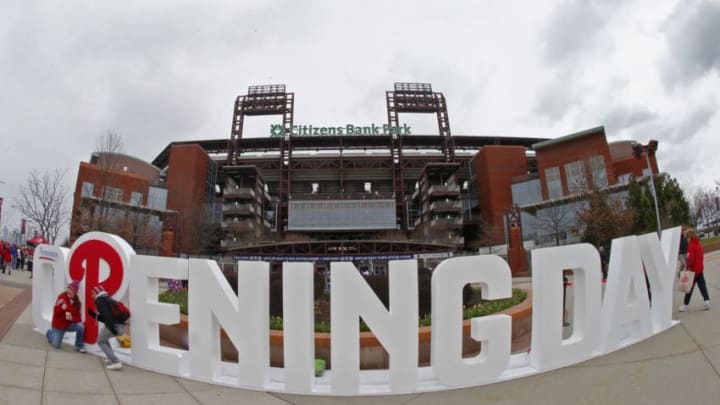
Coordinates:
1 200
647 150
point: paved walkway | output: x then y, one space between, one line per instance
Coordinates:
680 366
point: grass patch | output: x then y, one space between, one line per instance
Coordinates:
708 241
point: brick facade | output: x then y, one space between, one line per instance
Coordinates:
99 178
495 167
572 148
185 182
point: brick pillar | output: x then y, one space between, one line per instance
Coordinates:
517 258
168 244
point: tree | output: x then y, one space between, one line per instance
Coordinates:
107 147
704 205
139 230
556 219
98 213
480 234
603 218
42 201
673 207
207 232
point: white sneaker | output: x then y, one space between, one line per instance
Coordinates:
114 366
683 308
707 305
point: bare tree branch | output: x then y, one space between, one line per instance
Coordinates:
556 220
107 148
42 200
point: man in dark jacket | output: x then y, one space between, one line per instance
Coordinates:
682 250
113 326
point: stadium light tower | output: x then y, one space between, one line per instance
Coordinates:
647 150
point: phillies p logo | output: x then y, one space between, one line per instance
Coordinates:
99 259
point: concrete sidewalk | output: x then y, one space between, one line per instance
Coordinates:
678 366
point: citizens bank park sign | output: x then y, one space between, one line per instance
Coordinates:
602 323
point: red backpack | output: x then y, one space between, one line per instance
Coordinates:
120 311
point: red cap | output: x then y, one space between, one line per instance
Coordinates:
75 286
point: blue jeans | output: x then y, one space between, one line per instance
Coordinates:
55 336
700 281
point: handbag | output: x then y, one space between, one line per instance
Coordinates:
686 281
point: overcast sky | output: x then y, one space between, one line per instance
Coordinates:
163 71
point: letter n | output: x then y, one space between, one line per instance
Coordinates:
396 329
245 318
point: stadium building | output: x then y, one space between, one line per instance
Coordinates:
366 194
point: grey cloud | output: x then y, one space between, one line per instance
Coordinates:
676 130
571 29
694 122
147 75
619 118
554 99
692 34
681 144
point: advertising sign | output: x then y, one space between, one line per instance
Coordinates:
602 321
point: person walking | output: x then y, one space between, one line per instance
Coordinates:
14 256
2 256
67 318
695 262
21 259
114 321
682 252
7 259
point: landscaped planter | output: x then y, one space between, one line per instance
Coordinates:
372 354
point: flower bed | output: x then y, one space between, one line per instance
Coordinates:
372 355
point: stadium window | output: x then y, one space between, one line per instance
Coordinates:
575 177
599 174
113 193
87 189
368 187
315 188
552 180
136 198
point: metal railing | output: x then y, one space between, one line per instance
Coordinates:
444 189
446 205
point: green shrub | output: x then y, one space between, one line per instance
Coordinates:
180 298
491 307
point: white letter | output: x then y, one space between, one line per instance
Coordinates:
298 326
49 268
245 318
626 307
148 313
660 264
396 329
493 331
549 349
